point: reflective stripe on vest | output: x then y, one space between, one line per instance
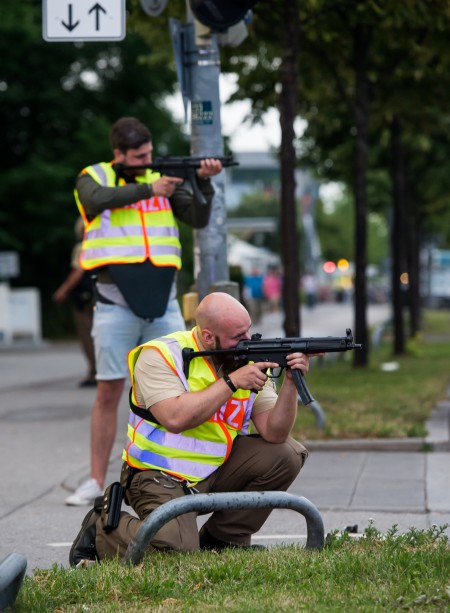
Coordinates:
196 453
144 230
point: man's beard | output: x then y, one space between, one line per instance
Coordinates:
129 176
227 363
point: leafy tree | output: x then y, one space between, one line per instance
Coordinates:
335 228
258 204
339 38
408 53
360 65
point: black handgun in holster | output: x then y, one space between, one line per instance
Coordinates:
126 477
112 504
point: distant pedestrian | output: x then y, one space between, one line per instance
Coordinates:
77 287
254 294
309 283
272 288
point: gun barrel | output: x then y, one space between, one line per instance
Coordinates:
329 344
277 349
192 162
171 163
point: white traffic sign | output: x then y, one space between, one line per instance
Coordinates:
83 20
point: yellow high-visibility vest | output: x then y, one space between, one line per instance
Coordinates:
195 453
134 233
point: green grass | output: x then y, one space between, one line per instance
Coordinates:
371 403
407 572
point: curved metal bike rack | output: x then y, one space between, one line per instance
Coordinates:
12 572
206 503
319 414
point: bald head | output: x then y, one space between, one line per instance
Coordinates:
221 315
217 308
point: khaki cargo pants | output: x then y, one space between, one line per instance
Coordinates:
253 466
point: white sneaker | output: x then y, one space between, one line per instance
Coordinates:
85 494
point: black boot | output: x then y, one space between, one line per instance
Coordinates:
83 547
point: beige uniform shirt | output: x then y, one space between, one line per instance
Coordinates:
156 381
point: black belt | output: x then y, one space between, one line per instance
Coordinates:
99 298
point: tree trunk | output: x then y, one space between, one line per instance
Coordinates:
288 110
398 234
414 246
362 108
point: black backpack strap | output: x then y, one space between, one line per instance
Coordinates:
140 412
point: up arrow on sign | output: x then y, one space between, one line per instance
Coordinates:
96 9
83 20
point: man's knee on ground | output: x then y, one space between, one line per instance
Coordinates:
179 534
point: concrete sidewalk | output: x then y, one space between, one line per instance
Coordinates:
44 438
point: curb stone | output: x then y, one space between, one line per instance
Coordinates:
437 439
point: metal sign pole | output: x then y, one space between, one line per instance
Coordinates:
202 65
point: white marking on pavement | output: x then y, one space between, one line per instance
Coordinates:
272 537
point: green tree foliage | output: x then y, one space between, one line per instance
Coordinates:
260 204
334 222
57 104
257 204
335 228
365 67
